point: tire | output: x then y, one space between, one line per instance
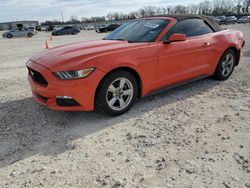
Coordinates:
74 33
226 65
9 36
114 99
30 35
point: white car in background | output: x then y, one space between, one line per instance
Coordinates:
89 27
57 27
19 32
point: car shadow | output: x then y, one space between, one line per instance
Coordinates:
28 129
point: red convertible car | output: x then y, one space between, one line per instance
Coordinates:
137 59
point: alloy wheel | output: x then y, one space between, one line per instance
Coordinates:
119 94
227 64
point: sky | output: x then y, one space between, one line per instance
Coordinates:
42 10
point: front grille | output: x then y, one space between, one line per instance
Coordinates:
37 77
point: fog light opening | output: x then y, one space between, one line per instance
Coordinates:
66 101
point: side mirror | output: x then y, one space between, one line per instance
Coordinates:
176 37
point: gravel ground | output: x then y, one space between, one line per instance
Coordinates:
197 135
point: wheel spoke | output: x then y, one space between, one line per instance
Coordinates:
230 63
228 69
224 72
228 57
224 64
122 83
121 101
112 101
111 89
128 92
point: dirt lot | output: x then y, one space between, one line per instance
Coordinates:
197 135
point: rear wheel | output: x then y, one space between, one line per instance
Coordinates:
226 65
117 93
9 36
74 32
30 35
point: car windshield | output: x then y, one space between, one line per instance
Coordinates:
144 30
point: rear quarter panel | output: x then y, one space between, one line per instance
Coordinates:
220 42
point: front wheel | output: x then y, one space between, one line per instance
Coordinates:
9 36
117 93
30 35
226 65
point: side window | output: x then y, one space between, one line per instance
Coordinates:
190 27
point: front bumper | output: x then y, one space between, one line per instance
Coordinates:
81 90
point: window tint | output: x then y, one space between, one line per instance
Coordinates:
190 27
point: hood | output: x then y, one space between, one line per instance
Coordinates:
72 55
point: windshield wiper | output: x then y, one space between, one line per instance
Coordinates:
123 40
119 40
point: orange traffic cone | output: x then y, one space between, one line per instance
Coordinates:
46 45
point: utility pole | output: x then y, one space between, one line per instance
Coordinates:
62 17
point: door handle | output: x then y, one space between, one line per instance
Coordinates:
206 44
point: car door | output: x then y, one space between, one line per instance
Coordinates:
70 30
25 31
15 32
184 60
64 30
112 27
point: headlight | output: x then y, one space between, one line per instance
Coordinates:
71 75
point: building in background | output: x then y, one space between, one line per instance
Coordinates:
11 25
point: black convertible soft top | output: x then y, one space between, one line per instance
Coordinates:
207 19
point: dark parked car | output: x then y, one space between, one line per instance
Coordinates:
107 28
221 19
49 28
231 20
243 19
66 30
